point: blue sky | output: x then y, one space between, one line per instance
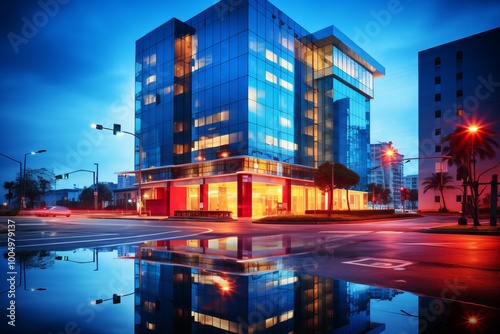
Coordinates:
68 63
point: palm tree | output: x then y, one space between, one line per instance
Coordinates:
438 181
464 142
9 186
458 144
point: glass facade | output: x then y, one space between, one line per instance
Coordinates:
242 79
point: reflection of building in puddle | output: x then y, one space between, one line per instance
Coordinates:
244 285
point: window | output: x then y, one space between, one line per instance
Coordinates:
437 148
437 132
460 112
437 199
459 55
460 92
437 97
437 113
437 62
437 80
459 75
459 198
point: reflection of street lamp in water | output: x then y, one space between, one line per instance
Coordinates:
95 258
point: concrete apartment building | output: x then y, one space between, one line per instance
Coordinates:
459 84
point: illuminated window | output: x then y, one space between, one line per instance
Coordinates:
286 316
149 307
150 98
271 56
178 126
151 79
285 122
271 77
151 60
270 140
216 141
285 84
286 64
287 145
270 322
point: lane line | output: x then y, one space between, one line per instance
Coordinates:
143 236
346 232
71 237
389 232
69 242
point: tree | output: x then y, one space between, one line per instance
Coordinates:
9 186
44 186
345 178
465 144
342 177
413 198
36 185
460 143
385 196
323 181
376 191
438 181
87 196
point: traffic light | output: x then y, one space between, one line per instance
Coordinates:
66 176
116 299
59 177
117 128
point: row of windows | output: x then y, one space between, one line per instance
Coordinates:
458 76
458 93
458 56
458 199
459 112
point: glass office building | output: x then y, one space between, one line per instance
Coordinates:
237 107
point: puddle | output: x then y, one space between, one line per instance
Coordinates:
230 285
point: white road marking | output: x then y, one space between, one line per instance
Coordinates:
389 232
93 240
142 236
345 232
380 263
435 244
70 237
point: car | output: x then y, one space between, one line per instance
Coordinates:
53 211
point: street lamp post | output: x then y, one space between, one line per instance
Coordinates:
23 192
472 178
96 186
20 175
117 129
333 186
66 175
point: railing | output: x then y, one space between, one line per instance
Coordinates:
203 213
